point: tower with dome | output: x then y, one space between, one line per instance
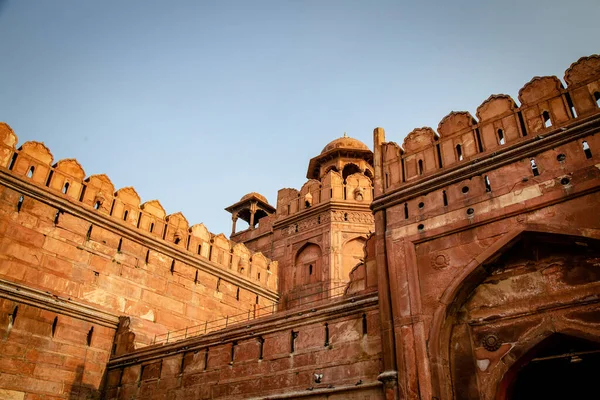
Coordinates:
317 233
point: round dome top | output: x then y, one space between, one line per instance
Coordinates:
254 194
345 142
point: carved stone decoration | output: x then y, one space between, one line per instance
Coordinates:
440 261
491 342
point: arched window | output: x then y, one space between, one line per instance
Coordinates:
459 153
501 140
547 120
65 188
30 172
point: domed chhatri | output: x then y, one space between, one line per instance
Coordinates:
345 142
344 152
254 195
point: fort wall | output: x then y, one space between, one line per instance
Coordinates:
481 220
100 250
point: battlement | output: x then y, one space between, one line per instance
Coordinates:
501 125
66 178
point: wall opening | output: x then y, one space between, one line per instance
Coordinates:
501 140
22 199
326 334
196 278
120 245
405 210
310 269
89 233
560 367
148 256
88 340
597 98
571 106
177 240
233 346
445 198
459 153
12 317
206 359
534 167
488 186
364 324
586 150
172 267
97 205
237 294
30 172
420 164
56 217
54 325
547 120
125 214
261 343
219 285
65 188
293 337
199 251
345 216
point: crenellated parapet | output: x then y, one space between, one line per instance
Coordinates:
33 163
501 124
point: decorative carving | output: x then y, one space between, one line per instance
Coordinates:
335 216
440 261
491 342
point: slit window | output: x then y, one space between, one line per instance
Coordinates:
196 278
364 324
261 343
597 98
586 150
420 167
501 140
97 205
547 120
151 226
22 199
293 337
148 258
326 334
387 183
65 188
445 198
488 186
237 294
54 324
89 232
125 215
172 267
534 167
199 249
30 172
120 245
459 152
310 269
89 336
405 210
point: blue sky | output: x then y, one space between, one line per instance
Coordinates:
196 103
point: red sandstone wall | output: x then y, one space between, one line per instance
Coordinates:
75 239
449 220
349 360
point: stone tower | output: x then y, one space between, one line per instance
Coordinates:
317 234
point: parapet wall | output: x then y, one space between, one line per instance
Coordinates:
91 250
501 123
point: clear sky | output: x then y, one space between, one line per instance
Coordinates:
196 103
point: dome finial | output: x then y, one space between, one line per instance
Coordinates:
345 135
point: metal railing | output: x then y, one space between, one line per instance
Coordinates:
222 323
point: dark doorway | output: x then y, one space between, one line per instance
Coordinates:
561 367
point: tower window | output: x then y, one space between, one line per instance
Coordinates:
30 172
65 188
459 152
597 98
547 120
420 167
534 167
501 139
310 269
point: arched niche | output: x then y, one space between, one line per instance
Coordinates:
523 288
353 253
308 265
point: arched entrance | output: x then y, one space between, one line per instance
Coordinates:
533 285
560 367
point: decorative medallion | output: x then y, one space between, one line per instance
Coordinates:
491 342
440 261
